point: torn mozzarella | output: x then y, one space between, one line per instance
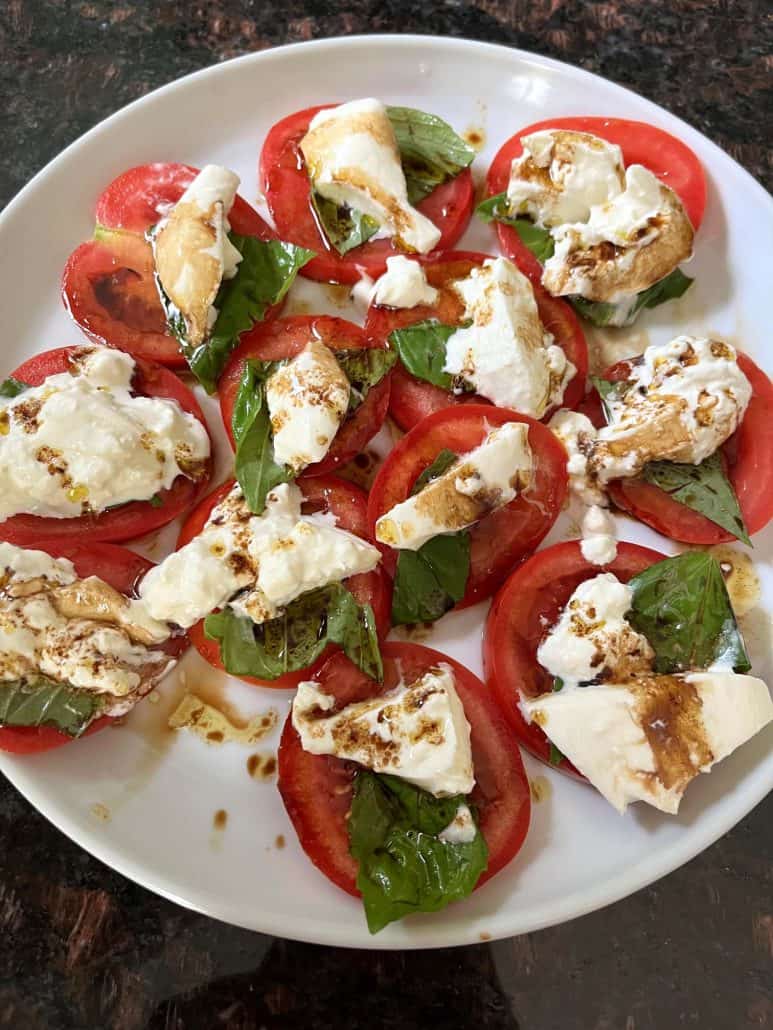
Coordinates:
403 285
352 158
506 355
599 536
480 481
257 563
646 740
307 398
578 434
417 731
82 441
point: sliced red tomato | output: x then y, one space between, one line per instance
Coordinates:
507 535
288 195
317 790
108 285
128 521
413 399
666 156
324 494
122 569
286 337
521 614
141 196
748 458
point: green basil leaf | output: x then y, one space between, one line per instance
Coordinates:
11 387
266 272
609 391
256 469
682 607
403 865
364 368
601 313
431 152
422 350
704 488
44 702
295 639
539 241
430 581
495 209
441 464
344 227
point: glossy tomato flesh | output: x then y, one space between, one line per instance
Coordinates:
317 790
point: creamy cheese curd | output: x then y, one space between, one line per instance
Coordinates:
687 397
480 481
192 250
352 159
257 563
647 739
461 829
562 174
75 631
599 536
592 639
417 731
578 434
307 400
82 442
403 285
506 355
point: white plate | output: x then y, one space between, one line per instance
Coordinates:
162 790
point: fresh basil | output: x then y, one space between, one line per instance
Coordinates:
539 241
704 488
156 501
431 152
404 867
430 581
556 756
44 702
257 471
422 350
610 392
681 605
344 227
295 639
11 387
601 313
266 272
364 368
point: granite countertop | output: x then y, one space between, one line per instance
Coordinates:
80 946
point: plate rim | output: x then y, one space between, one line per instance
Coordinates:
573 905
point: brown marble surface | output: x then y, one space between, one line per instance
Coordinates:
81 947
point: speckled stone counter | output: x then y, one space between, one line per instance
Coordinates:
81 947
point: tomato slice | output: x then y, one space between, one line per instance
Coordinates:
317 789
122 569
413 399
529 603
666 156
274 341
507 535
288 195
748 457
139 197
322 493
108 285
128 521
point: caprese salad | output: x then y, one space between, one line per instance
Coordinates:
601 211
399 769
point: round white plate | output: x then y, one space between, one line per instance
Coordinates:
142 799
